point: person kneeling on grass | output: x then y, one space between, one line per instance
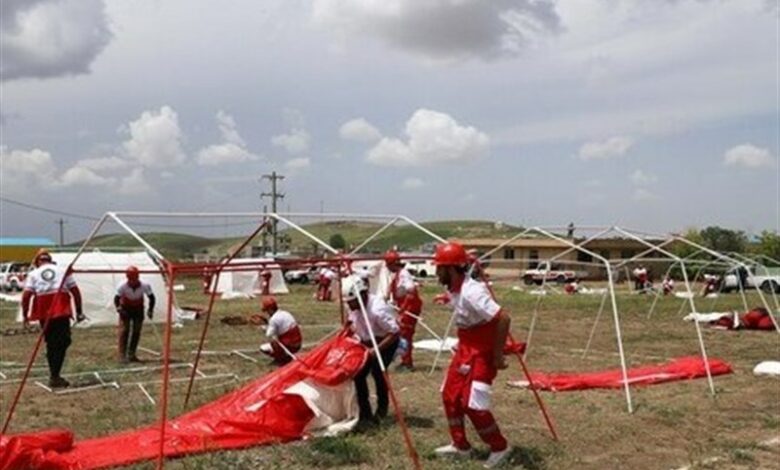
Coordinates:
382 323
283 331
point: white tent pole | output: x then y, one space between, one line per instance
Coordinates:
504 243
304 232
595 323
140 239
659 292
373 236
421 228
442 344
614 314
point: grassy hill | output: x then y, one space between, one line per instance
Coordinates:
406 237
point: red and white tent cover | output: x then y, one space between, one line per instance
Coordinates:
313 395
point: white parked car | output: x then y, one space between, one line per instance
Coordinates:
762 277
12 276
421 268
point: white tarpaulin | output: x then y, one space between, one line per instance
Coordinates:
98 289
250 282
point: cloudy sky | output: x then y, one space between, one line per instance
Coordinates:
653 114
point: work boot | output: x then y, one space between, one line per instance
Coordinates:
404 368
58 382
451 451
134 358
497 458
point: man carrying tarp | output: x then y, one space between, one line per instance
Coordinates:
483 327
129 303
50 289
283 330
382 323
403 293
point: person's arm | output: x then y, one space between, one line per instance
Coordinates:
76 294
27 296
387 341
502 331
150 310
117 302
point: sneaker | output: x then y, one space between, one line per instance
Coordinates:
405 368
497 458
133 359
451 451
58 382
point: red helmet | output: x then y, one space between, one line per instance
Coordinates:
132 273
42 255
269 303
392 258
450 254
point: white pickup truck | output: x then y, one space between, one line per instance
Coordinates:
544 272
766 279
421 268
12 276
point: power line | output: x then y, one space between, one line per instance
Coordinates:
140 224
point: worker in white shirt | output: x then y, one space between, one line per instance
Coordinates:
404 294
129 304
382 323
282 330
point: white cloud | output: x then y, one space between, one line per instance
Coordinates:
640 178
112 163
295 142
25 171
232 150
602 150
82 176
134 183
297 164
748 156
433 138
51 38
644 195
412 183
359 130
443 29
156 139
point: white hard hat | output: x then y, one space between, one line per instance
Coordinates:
351 285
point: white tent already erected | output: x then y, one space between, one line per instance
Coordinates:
98 289
236 284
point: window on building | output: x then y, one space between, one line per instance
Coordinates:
533 257
627 254
509 253
604 254
583 257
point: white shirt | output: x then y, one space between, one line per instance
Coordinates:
130 297
47 279
473 305
328 273
280 323
380 315
405 283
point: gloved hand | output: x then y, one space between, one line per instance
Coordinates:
80 317
150 313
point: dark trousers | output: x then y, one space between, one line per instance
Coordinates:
130 322
361 383
57 337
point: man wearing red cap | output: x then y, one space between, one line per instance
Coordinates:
283 330
52 289
482 331
403 292
129 303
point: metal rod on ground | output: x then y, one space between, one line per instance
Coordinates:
419 320
242 355
442 343
398 413
212 297
146 393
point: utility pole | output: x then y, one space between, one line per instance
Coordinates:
274 195
61 222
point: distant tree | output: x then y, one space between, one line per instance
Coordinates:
683 250
337 241
724 240
769 244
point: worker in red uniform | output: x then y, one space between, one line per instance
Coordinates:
265 279
51 288
282 330
324 279
129 304
402 291
483 327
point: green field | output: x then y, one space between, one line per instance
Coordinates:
673 425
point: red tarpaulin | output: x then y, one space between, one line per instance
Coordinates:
265 411
682 368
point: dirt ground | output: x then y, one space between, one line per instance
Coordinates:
673 425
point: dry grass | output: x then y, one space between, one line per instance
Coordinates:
673 424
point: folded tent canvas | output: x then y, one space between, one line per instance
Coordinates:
98 288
